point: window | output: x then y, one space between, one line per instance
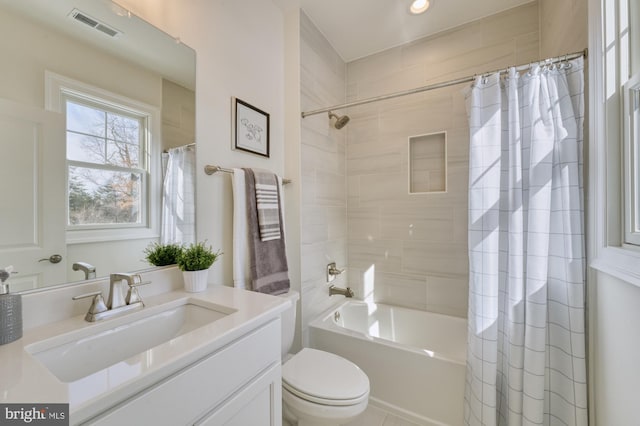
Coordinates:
113 162
106 167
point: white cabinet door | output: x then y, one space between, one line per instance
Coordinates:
33 188
259 404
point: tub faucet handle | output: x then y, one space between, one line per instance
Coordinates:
333 272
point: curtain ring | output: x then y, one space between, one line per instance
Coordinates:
568 65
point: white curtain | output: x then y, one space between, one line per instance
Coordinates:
526 348
178 197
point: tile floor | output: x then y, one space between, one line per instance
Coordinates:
374 416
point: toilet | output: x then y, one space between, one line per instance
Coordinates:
318 388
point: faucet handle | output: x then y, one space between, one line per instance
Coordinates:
97 304
84 296
136 281
335 271
132 295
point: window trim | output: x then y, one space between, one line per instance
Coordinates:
56 89
631 122
608 71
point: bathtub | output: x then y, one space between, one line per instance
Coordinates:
415 360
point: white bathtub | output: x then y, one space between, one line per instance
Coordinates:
415 360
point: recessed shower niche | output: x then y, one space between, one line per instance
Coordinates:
428 163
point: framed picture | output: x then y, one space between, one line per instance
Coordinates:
250 128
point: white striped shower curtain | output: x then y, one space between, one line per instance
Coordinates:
526 349
178 197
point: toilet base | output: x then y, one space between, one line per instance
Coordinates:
299 412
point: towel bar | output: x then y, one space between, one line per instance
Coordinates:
209 169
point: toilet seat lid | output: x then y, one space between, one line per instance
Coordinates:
325 378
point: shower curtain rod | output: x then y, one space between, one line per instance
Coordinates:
166 151
468 79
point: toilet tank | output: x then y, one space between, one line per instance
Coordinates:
288 321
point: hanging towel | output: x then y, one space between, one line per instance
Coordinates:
267 204
267 259
241 270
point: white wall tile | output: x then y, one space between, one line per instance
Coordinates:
417 244
323 162
382 255
401 290
448 295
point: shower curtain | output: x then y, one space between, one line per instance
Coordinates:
526 345
178 197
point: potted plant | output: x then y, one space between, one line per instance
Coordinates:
195 261
162 254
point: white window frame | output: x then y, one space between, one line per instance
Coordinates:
57 89
610 60
631 159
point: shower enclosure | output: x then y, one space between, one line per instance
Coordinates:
373 198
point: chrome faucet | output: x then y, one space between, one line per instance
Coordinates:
88 269
346 292
116 303
116 295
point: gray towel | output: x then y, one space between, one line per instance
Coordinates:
268 259
267 203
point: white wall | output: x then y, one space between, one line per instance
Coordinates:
178 115
240 52
617 346
23 65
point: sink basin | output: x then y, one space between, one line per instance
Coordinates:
78 354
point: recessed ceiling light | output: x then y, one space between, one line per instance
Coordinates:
419 6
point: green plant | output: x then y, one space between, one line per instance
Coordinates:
162 254
197 257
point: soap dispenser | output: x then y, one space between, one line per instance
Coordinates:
10 310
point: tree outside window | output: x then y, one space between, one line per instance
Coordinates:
106 165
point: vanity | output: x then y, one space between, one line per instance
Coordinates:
208 358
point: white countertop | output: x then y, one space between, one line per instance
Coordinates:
23 379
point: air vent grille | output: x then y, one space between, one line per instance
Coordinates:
93 23
107 30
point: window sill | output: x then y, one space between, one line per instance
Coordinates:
102 235
620 263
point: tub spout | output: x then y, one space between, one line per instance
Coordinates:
346 292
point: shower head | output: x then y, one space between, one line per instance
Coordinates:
340 121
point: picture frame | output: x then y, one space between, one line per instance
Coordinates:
250 128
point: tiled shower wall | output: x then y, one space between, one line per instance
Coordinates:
324 195
411 249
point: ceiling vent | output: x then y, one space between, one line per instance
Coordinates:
94 23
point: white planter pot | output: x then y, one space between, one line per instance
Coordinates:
195 281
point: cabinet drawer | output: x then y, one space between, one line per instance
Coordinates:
186 396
